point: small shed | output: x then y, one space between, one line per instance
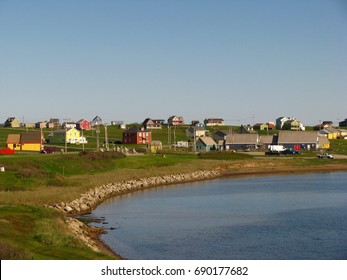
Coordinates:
156 146
323 142
206 144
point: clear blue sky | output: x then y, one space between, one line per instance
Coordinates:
128 60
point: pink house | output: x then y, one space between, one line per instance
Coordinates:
83 124
175 120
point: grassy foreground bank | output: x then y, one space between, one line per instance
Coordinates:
29 230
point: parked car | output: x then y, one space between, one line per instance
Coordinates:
290 152
272 153
325 155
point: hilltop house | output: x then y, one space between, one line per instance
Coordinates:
96 121
260 126
264 126
53 123
151 124
69 125
12 122
41 124
175 120
293 125
246 129
83 124
324 124
281 120
343 123
137 135
214 122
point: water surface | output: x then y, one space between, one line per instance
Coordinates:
270 217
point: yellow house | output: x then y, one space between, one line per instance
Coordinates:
31 141
323 142
70 136
330 132
27 141
13 142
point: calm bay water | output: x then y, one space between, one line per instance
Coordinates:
270 217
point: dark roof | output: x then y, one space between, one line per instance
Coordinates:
221 132
31 137
294 137
251 138
148 121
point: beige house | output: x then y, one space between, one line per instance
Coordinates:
195 131
12 122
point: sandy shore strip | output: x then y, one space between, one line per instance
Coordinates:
90 200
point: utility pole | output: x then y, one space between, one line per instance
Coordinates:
175 137
66 134
65 139
41 136
82 141
169 135
106 137
194 135
97 138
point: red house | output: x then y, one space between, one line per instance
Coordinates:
137 135
83 124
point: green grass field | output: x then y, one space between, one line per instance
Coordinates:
29 232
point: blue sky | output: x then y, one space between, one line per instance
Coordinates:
244 61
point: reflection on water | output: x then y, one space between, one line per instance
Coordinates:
279 217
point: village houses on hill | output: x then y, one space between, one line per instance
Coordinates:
291 134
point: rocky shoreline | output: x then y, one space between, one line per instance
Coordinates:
91 199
